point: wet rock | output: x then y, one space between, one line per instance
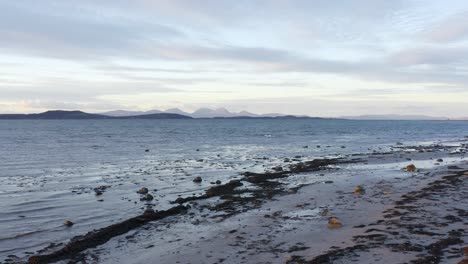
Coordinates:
147 197
100 190
277 168
334 223
218 182
411 168
197 179
68 223
143 190
359 190
399 144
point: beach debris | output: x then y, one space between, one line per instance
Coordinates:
197 179
147 197
359 190
68 223
334 223
143 190
411 168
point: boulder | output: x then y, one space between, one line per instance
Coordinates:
411 168
143 190
147 197
197 179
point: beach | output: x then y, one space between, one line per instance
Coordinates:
397 216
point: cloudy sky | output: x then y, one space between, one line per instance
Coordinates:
323 58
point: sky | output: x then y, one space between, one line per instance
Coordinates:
320 58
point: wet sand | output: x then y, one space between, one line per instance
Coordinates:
402 217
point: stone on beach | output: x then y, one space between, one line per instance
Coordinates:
68 223
411 168
197 179
143 190
334 223
147 197
359 190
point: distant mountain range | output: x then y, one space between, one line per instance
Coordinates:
200 113
176 113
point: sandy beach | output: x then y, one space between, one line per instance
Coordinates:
386 214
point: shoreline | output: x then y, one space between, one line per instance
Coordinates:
235 205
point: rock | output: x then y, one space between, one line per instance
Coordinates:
68 223
218 182
197 179
334 223
287 160
359 190
147 197
277 168
143 190
440 160
411 168
399 144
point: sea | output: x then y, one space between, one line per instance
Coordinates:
49 169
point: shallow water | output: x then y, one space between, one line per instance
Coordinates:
49 168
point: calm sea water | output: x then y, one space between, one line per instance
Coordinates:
48 169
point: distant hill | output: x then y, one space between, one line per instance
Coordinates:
60 114
56 114
395 117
